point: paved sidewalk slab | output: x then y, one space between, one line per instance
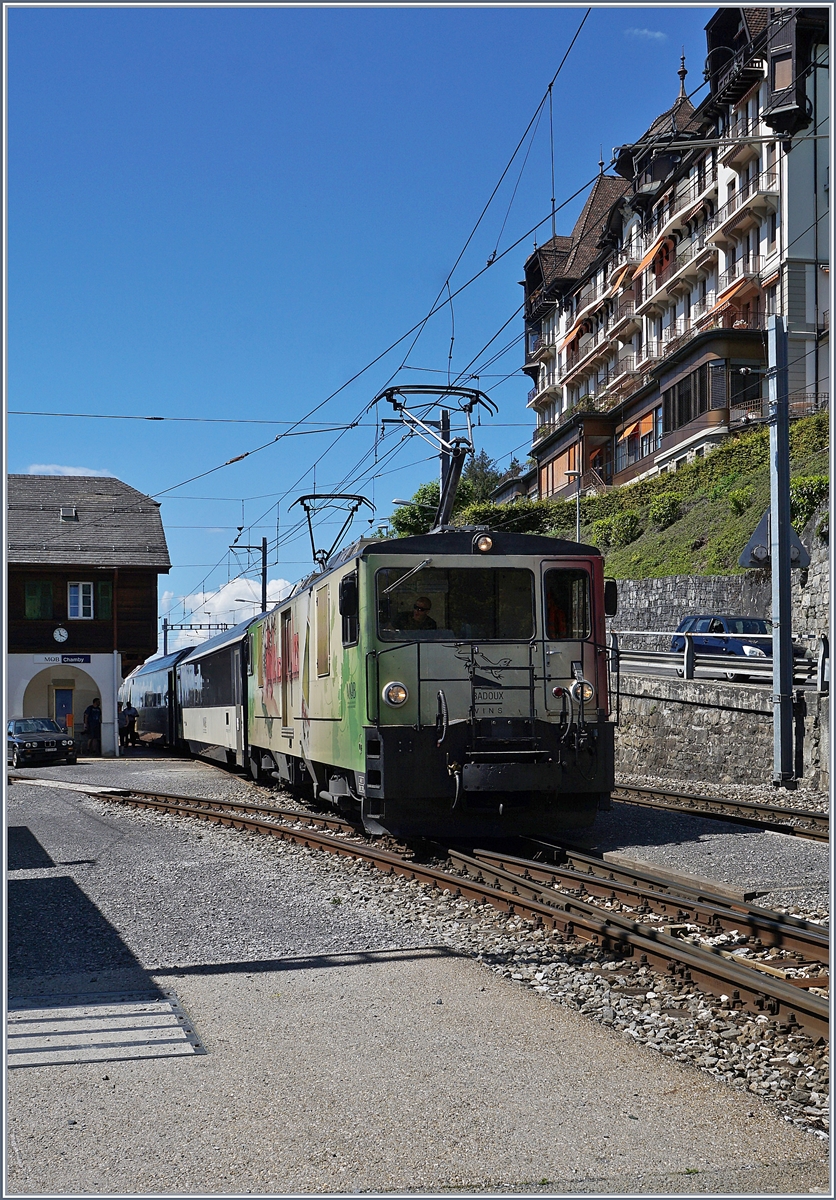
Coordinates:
393 1071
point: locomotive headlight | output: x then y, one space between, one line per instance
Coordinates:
582 691
484 543
395 694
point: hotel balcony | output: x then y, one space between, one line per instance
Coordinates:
624 320
590 348
538 395
540 348
586 404
748 267
685 195
691 257
756 410
751 201
740 151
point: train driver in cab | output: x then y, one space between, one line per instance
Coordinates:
419 618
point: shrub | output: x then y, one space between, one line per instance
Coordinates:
739 499
618 530
806 493
626 527
664 510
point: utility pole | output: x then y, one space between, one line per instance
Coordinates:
263 549
165 635
780 549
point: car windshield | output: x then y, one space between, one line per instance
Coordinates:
37 725
441 603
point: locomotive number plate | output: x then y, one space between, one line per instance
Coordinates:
488 702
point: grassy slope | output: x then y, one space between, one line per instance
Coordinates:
710 535
721 500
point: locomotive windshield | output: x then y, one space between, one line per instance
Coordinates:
439 603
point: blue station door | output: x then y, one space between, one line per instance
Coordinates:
64 708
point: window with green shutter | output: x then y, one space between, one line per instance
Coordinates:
38 603
104 599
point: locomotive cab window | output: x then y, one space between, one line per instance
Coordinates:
438 604
566 599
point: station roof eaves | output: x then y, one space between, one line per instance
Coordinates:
113 524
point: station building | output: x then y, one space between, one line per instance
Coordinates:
646 327
84 554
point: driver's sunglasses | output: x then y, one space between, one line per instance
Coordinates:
419 608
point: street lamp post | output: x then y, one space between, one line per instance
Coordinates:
576 475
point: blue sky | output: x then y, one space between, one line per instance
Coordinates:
227 213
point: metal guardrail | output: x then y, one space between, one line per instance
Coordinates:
687 661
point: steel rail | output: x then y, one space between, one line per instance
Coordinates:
704 965
661 880
572 918
737 812
716 914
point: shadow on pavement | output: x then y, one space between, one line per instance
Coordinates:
357 958
55 929
23 850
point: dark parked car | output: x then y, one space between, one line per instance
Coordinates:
38 740
738 637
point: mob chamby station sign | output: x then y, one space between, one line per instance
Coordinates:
61 659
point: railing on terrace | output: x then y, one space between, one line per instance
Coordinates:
623 310
801 404
752 264
704 306
684 195
685 254
765 181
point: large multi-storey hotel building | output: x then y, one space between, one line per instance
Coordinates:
646 327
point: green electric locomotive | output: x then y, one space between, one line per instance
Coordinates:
448 684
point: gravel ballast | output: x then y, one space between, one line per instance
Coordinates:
227 919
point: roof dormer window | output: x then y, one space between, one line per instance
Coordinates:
68 512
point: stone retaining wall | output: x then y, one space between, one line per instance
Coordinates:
662 603
697 730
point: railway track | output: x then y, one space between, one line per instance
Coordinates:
581 897
810 822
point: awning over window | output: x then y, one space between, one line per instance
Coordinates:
735 289
630 430
617 279
646 424
652 252
572 334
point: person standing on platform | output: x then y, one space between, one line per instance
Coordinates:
93 726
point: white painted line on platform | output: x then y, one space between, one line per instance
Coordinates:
48 1031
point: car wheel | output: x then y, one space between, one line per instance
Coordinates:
70 761
680 672
732 676
15 758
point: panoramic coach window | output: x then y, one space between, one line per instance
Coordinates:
80 601
566 597
438 604
208 683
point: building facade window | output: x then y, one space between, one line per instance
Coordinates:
104 599
80 601
38 600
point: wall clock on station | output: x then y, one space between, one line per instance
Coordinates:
60 634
